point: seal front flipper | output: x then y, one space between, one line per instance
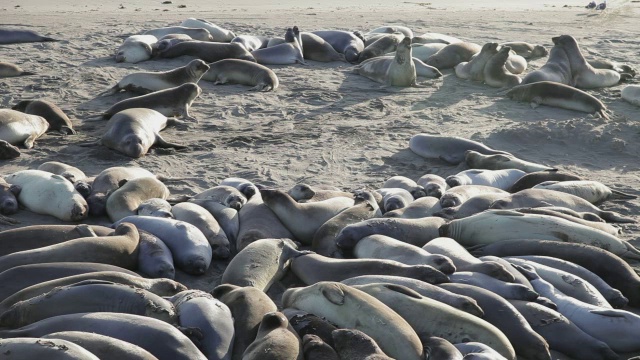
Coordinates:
162 143
609 313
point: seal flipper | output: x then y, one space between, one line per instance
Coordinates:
28 143
619 195
65 130
27 73
160 142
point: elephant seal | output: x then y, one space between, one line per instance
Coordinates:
206 51
56 118
198 309
417 191
73 174
612 65
9 198
573 216
420 208
434 185
309 324
526 50
532 179
168 102
236 71
274 340
126 200
8 151
261 263
458 195
103 346
313 268
355 344
257 221
108 181
227 217
515 64
502 179
88 296
344 42
383 45
289 52
18 128
495 72
199 217
35 236
471 206
314 348
218 34
154 207
392 29
474 350
631 94
394 198
474 69
225 195
450 149
556 69
439 348
558 95
501 288
51 349
317 49
478 160
15 36
435 38
12 70
148 82
412 231
190 248
194 33
350 308
399 71
453 54
245 186
135 49
251 42
157 337
133 132
423 51
154 257
584 75
592 191
248 306
49 194
306 193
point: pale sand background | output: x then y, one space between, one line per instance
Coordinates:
325 124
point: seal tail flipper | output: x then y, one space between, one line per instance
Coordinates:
48 39
619 195
90 144
611 216
111 91
65 130
28 73
162 143
632 252
178 199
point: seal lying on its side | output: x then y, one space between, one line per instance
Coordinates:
236 71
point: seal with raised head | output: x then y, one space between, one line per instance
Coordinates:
12 70
556 69
344 42
147 82
136 48
133 132
477 160
317 49
495 72
453 54
474 69
526 50
451 149
206 51
15 36
193 32
218 34
289 52
51 349
18 128
236 71
274 340
126 200
107 181
168 102
397 71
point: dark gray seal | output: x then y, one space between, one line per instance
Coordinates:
154 257
344 42
8 198
557 68
174 101
103 346
15 36
206 51
56 118
317 49
236 71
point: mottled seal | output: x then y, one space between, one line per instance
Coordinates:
355 344
344 42
18 128
103 346
15 36
51 349
126 200
12 70
274 340
315 348
199 217
218 34
107 181
558 95
289 52
495 72
474 69
631 94
447 148
477 160
453 54
135 49
206 51
134 131
397 71
235 71
317 49
147 82
557 68
195 33
168 102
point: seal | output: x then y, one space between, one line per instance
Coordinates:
15 36
147 82
435 38
383 45
355 344
434 185
12 70
308 324
307 268
35 236
399 71
213 318
317 49
592 191
120 249
420 208
168 102
154 257
474 69
495 72
8 151
390 29
136 48
261 263
439 348
474 350
423 51
245 186
412 231
501 179
248 306
225 195
206 51
532 179
453 54
515 64
235 71
450 149
477 160
526 50
126 200
631 94
306 193
556 69
458 195
344 42
157 337
227 217
154 207
568 214
18 128
350 308
199 217
195 33
54 349
257 222
8 198
471 206
103 346
274 340
558 95
314 348
49 194
289 52
190 248
73 174
501 288
612 65
218 34
108 181
133 132
394 198
251 42
417 191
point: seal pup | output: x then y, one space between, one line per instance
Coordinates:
134 131
584 75
245 186
53 349
8 151
225 195
558 95
251 42
236 71
420 208
531 179
474 69
103 346
135 49
502 179
127 199
390 29
450 149
315 348
526 50
15 36
73 174
477 160
405 183
195 33
434 185
495 72
56 118
147 82
356 345
631 94
154 207
317 49
556 69
289 52
394 198
218 34
399 71
274 340
344 42
199 217
107 181
383 45
206 51
168 102
9 197
303 193
12 70
592 191
453 54
18 128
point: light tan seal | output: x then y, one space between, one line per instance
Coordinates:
275 340
526 50
236 71
453 54
218 34
476 160
12 70
397 71
495 72
18 128
193 32
631 94
474 69
56 118
126 200
135 49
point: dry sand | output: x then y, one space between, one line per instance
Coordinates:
325 125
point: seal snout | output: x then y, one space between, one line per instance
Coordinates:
221 251
9 206
197 266
445 265
79 212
